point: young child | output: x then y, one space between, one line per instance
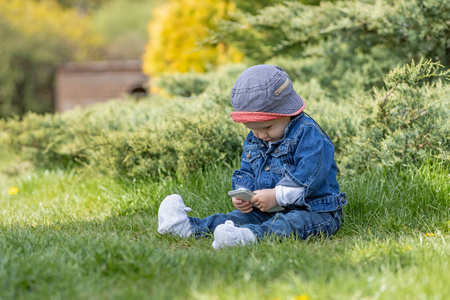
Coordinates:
287 160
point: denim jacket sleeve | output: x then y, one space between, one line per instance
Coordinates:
313 160
244 177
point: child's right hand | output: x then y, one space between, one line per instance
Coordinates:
242 206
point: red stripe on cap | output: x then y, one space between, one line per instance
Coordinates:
257 116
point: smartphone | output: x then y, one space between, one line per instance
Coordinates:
242 194
246 195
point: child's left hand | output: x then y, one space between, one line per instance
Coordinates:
265 199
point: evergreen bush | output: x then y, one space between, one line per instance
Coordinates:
46 140
406 122
342 45
183 84
185 145
128 138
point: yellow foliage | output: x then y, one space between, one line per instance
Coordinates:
177 37
47 17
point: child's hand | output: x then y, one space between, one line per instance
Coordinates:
242 206
265 199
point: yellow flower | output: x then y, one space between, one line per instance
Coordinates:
428 234
13 190
300 297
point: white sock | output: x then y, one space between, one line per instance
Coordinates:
226 235
172 217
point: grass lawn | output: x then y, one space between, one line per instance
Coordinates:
78 235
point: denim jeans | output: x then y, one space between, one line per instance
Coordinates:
299 223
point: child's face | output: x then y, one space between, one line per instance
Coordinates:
269 131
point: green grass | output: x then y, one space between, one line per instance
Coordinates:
78 235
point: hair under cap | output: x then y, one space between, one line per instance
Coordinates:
263 93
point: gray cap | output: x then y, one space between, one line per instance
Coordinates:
263 93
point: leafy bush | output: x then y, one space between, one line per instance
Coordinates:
183 84
405 122
185 145
46 140
339 120
128 138
342 44
212 88
178 32
219 89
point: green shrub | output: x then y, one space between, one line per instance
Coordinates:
218 92
339 120
406 122
342 45
185 145
46 140
147 138
183 84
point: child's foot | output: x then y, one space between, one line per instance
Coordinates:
226 235
172 217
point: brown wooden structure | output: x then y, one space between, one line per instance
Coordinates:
81 84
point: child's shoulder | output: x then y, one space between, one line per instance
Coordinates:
301 122
306 125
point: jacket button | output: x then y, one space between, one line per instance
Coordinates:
277 150
267 168
343 199
249 155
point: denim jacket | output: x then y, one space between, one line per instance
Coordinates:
302 158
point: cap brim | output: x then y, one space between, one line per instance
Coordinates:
257 116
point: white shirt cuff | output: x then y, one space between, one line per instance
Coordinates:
289 195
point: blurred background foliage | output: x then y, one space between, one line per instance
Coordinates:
179 37
123 26
37 36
